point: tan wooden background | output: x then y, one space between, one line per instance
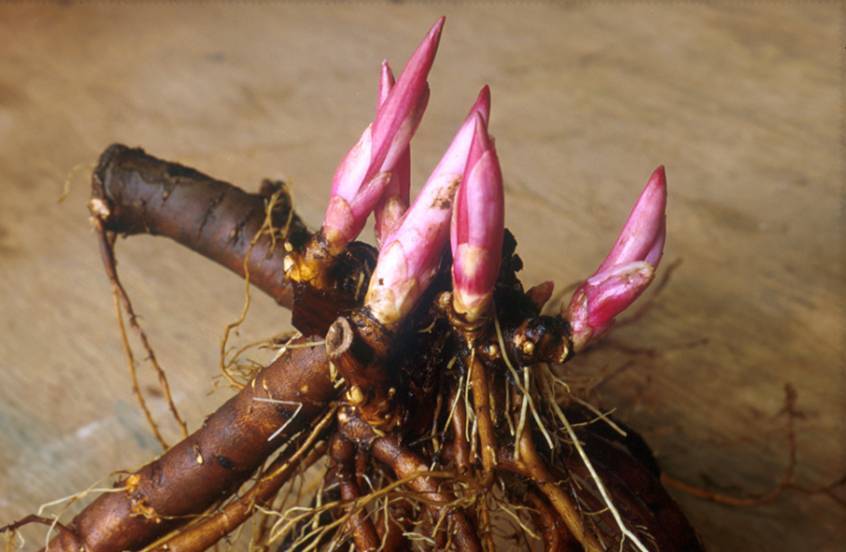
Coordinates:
742 102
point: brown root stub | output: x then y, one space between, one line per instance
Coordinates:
339 338
358 347
135 193
212 462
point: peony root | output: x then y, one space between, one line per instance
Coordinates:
484 434
421 382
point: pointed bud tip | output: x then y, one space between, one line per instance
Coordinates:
386 73
655 189
386 83
430 43
658 178
437 28
485 97
425 52
482 105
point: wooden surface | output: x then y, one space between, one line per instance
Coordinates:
742 103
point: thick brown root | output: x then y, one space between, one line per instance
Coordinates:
209 530
212 462
135 193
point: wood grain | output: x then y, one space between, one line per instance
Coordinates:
741 102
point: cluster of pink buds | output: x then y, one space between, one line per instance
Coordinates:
462 201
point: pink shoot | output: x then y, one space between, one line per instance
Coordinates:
410 255
642 237
395 198
477 228
364 173
627 270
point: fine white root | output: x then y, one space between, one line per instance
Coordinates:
550 377
524 387
285 346
290 419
